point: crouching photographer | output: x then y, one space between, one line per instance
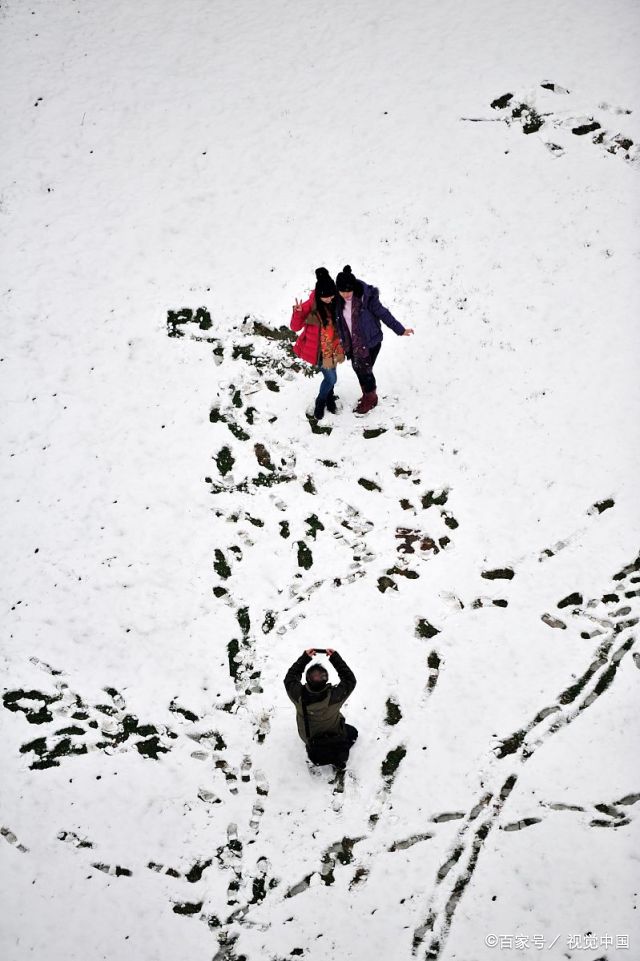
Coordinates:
321 726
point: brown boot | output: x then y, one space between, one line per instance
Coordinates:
367 402
358 408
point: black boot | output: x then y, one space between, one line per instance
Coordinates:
331 402
318 410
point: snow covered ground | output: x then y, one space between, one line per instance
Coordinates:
175 533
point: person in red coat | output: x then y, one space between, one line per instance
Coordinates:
319 343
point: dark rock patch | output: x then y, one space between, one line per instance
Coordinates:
369 485
305 557
386 583
439 498
195 873
220 565
425 629
571 599
403 572
274 333
601 506
501 102
394 714
177 319
392 762
314 525
511 744
585 128
531 119
555 87
187 715
317 427
450 520
27 703
188 908
499 574
224 460
50 756
263 457
411 538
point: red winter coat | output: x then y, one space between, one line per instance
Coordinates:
307 346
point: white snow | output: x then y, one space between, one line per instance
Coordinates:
162 156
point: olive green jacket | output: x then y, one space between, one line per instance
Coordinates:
323 709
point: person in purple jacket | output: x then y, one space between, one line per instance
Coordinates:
359 313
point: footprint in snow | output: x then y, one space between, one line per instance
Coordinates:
262 784
11 838
69 837
257 813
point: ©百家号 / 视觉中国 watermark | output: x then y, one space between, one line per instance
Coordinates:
521 942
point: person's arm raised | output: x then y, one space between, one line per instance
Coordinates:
300 312
292 680
347 678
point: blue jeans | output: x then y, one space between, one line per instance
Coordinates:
329 378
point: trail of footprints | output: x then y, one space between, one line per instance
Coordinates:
248 883
249 880
105 726
486 812
249 886
516 749
341 852
425 527
598 814
280 483
524 111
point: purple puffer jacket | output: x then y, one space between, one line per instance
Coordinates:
369 317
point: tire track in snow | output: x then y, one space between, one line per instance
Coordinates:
516 749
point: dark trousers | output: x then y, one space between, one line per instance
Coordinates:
363 367
333 748
351 733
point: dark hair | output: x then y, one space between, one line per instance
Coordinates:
327 312
316 678
325 287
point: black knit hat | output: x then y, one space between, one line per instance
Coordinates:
345 279
316 678
325 286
